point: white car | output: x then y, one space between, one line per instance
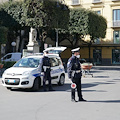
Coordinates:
12 57
26 72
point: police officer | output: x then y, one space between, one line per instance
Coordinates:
75 73
46 68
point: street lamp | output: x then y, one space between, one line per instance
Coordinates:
13 45
56 37
56 30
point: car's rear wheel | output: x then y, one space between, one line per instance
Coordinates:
36 84
61 80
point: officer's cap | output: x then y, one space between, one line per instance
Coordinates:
75 50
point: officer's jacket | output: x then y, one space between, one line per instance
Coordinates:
45 62
73 66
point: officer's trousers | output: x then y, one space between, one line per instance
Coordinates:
77 81
46 77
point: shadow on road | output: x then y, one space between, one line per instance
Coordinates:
101 76
65 87
111 68
106 101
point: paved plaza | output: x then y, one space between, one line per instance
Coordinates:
101 92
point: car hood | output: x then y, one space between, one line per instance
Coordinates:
18 70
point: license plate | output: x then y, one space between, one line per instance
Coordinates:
11 81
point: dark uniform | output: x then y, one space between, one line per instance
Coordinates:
46 68
75 73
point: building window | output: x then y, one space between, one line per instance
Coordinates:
98 12
116 18
116 14
97 41
116 36
75 2
97 1
97 56
116 56
115 0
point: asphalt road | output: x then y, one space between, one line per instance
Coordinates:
101 92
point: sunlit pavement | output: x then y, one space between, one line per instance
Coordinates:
101 92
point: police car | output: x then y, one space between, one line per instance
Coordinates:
26 72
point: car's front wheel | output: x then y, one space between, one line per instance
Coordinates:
61 80
36 85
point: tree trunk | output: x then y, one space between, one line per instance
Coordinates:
0 51
20 43
89 51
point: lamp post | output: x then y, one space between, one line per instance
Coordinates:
56 37
56 30
13 45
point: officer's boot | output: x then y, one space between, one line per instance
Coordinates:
44 86
73 95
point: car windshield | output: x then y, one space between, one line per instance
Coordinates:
55 51
28 62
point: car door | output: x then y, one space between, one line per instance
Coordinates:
54 69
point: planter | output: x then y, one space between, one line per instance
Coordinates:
86 66
1 66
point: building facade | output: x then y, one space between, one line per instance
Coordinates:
104 51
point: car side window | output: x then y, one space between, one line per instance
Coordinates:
7 57
59 61
54 62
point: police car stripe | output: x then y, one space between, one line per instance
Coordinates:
37 75
57 71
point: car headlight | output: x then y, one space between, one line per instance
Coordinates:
26 73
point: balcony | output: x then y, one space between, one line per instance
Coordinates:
115 0
75 2
97 1
116 23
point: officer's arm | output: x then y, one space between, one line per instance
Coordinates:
80 69
50 62
41 65
69 69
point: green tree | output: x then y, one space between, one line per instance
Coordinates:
97 28
42 15
3 36
78 25
85 22
10 15
97 25
45 16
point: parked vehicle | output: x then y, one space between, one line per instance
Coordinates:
26 72
12 57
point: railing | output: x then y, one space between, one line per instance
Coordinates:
97 1
75 2
116 23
